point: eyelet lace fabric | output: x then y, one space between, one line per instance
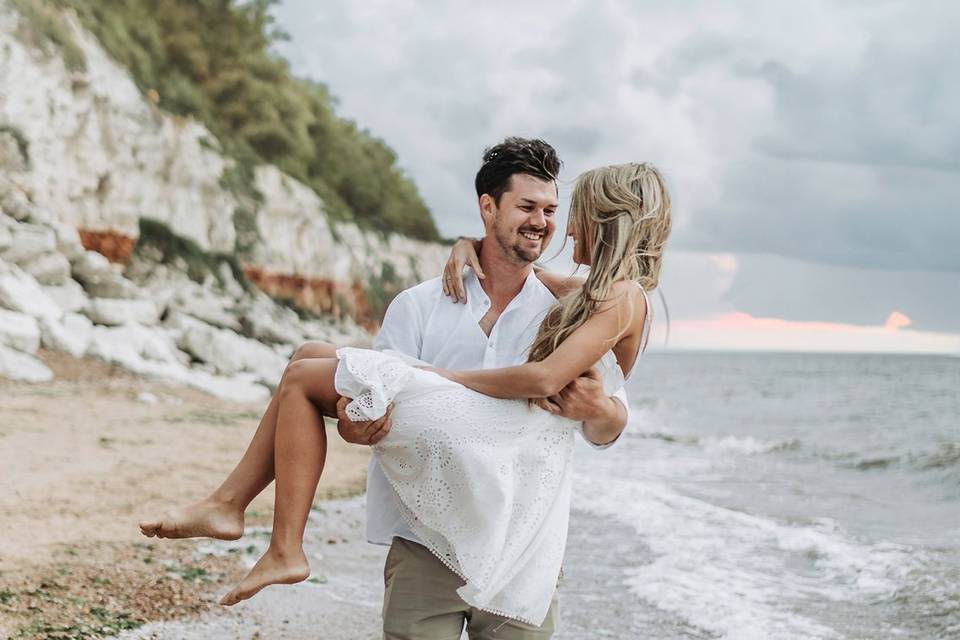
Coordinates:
483 482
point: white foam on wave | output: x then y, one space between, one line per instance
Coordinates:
737 574
747 445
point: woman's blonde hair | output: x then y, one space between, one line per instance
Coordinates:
623 212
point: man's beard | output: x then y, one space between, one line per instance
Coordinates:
513 248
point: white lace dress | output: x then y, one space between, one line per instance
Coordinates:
483 482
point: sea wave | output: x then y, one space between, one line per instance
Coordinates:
738 574
945 456
747 445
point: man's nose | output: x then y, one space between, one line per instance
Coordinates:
538 218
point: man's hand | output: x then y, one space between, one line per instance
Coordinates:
369 432
584 400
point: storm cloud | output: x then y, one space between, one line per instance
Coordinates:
824 131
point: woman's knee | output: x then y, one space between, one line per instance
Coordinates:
311 377
314 349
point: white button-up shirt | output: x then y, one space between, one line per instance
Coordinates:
424 323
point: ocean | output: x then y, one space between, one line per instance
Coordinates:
752 497
774 497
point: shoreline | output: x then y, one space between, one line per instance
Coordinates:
84 457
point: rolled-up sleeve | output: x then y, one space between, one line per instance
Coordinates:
620 395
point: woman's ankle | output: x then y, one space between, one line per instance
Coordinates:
286 551
227 501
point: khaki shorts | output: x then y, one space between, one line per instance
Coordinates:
420 602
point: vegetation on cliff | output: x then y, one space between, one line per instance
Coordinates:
212 59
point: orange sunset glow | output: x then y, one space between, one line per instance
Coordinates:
742 331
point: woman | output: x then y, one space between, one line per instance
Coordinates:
482 479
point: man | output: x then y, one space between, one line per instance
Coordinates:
517 192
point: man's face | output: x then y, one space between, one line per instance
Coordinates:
523 223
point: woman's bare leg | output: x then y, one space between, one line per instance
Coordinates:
305 394
220 515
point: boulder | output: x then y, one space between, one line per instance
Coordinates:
68 240
21 366
114 312
6 236
19 331
70 335
11 153
101 279
29 241
264 320
240 388
48 268
150 351
130 345
205 305
13 200
91 265
229 283
228 352
20 292
69 296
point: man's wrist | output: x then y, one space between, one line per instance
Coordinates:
612 417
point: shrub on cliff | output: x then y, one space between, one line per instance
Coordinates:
211 59
42 25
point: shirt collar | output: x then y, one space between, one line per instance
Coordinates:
479 302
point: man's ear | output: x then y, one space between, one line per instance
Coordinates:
488 209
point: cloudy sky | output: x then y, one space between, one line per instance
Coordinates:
813 148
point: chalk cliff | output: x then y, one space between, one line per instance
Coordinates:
88 164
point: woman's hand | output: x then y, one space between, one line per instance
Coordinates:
464 252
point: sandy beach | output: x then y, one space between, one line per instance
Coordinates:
82 459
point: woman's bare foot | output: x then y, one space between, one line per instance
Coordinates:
273 568
204 519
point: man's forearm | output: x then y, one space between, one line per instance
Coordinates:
607 427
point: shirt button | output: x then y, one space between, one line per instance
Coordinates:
486 303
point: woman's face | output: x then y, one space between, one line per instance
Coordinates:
581 241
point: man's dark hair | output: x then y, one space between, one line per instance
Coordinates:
515 155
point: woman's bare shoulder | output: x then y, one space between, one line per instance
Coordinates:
559 284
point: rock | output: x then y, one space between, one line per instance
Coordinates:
70 335
242 388
264 320
6 237
203 304
150 351
101 279
91 265
48 268
115 312
14 201
20 292
11 153
131 345
116 287
229 283
68 241
341 334
21 366
29 241
229 352
69 296
19 331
